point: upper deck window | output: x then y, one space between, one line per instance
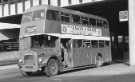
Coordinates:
52 15
39 14
92 22
65 17
84 20
100 23
104 24
76 19
27 17
94 43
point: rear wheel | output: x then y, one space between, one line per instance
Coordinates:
99 60
52 67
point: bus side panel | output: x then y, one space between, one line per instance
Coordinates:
92 52
106 53
79 58
84 56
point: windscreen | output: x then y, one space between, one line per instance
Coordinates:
27 17
33 16
43 41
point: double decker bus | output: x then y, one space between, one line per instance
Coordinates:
54 39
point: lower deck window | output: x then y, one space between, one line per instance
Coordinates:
94 44
9 45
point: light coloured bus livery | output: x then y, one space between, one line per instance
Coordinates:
54 39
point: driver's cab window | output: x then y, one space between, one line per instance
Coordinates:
43 41
49 42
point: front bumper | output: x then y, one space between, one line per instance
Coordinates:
29 68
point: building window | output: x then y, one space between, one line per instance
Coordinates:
54 2
69 2
0 10
85 1
6 10
44 2
35 2
80 1
59 1
27 4
64 3
19 7
12 9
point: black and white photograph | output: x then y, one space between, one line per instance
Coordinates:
67 40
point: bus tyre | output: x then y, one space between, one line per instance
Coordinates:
52 68
99 60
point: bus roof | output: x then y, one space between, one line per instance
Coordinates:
78 36
69 11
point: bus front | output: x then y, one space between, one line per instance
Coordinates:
32 24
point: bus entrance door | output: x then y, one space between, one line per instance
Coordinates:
66 45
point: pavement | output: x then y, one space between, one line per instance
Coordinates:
110 70
118 72
114 69
8 67
8 58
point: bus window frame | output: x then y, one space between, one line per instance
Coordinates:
65 15
36 15
101 43
75 43
86 44
107 43
56 15
78 20
28 15
95 44
105 24
92 21
42 39
84 19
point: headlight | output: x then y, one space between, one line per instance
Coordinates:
20 61
40 60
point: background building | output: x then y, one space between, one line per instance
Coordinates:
13 7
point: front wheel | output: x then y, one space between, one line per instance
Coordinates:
52 67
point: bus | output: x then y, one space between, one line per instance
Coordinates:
54 39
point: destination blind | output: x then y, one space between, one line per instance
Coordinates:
80 30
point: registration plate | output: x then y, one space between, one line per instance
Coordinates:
29 66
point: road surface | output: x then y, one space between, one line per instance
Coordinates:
110 73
